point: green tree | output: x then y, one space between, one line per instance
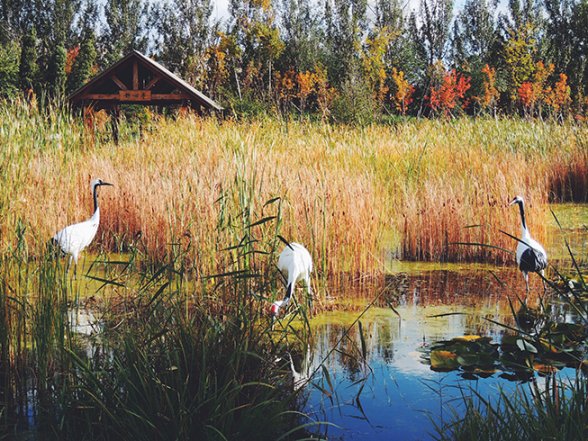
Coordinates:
9 69
559 33
53 21
28 68
255 29
183 34
57 77
390 19
302 36
125 30
431 29
519 46
16 17
83 66
474 33
475 36
578 70
346 25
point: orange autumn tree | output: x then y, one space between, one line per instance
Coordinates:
540 77
402 91
559 98
306 85
325 93
526 95
285 87
489 96
71 56
450 94
532 94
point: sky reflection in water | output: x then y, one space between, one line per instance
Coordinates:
401 393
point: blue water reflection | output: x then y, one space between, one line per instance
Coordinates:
391 393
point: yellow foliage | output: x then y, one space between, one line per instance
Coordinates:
403 90
560 96
325 93
374 64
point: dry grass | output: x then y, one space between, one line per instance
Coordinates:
350 194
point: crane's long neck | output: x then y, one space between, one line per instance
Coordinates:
289 292
95 193
523 222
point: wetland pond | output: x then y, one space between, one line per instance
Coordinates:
372 374
379 383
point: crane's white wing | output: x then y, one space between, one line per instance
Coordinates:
295 261
74 238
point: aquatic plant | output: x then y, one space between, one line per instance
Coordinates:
557 411
539 343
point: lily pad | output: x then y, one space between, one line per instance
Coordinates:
467 338
443 360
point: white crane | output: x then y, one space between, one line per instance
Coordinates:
531 256
74 238
295 264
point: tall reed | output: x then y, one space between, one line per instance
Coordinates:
352 195
170 357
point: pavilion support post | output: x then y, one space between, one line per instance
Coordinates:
115 121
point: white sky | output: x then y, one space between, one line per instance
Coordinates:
221 7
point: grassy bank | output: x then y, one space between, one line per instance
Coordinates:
350 194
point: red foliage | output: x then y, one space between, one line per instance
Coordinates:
72 54
526 94
451 93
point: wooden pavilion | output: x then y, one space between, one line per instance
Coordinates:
137 79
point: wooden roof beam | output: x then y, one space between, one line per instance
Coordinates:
118 82
153 82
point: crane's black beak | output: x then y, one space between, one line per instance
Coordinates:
106 183
514 201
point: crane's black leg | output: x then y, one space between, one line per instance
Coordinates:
526 276
309 293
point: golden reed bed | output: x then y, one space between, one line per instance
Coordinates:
352 195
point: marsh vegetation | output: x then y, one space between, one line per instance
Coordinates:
180 277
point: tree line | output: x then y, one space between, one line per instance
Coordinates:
339 59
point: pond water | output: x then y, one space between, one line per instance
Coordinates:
377 384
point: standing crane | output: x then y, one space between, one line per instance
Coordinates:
531 256
295 263
74 238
